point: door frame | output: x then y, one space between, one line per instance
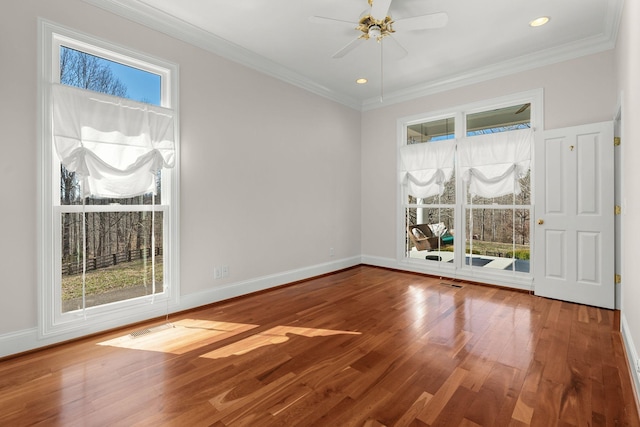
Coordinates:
618 155
563 282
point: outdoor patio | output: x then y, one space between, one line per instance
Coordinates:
486 261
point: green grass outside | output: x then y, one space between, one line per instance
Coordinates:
506 249
492 248
121 276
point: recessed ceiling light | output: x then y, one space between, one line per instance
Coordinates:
538 22
361 81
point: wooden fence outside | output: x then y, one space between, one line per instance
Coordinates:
104 261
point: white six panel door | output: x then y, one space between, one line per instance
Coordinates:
574 206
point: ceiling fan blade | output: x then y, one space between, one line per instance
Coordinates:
422 22
348 48
402 52
327 20
380 9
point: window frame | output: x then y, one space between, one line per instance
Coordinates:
458 269
51 320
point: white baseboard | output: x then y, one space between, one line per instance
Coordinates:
236 289
378 261
28 339
632 356
17 342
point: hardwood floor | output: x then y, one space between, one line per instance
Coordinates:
362 347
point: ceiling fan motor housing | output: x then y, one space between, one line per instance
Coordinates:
373 28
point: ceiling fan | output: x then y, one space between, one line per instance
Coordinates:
376 23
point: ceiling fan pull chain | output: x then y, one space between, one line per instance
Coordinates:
381 72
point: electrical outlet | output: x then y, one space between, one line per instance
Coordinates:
217 272
225 271
331 252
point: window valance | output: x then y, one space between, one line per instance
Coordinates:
492 164
115 146
427 166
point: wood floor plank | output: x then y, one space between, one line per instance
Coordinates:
523 411
434 407
486 408
362 347
455 410
414 410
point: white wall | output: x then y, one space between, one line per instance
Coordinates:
628 66
575 92
270 176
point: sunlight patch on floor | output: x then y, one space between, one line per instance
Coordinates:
277 335
186 335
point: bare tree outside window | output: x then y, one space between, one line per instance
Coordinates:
80 69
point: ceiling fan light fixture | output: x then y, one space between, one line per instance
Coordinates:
375 31
538 22
361 81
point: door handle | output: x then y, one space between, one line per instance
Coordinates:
540 221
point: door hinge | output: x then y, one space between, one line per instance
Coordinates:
617 210
618 278
616 141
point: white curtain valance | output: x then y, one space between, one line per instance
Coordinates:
427 166
116 146
492 164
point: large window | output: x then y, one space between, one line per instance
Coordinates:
109 181
476 219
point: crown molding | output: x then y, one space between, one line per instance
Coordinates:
181 30
522 63
170 25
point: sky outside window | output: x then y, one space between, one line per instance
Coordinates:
142 86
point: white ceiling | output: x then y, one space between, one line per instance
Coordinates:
483 39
